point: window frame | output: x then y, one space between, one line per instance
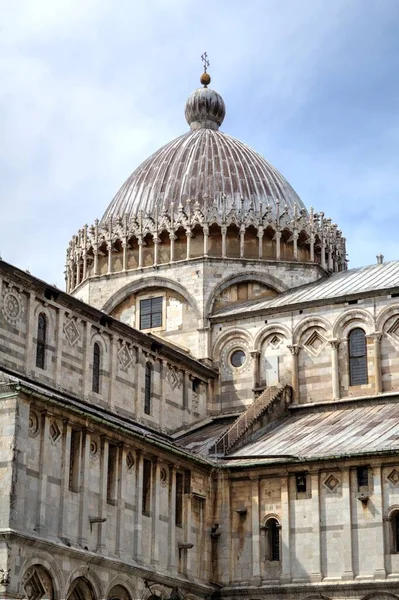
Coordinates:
148 385
96 378
41 341
162 312
354 356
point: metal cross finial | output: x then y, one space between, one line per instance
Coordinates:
204 58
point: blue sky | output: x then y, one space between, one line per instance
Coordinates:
90 89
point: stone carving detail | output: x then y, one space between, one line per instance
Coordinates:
164 478
393 331
129 462
5 576
174 378
71 331
13 307
33 424
55 432
94 450
125 357
393 477
275 341
320 231
315 343
332 483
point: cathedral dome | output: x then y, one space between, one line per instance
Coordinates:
203 163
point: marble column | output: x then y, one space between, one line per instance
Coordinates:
377 362
120 501
335 369
172 238
224 244
295 243
109 262
294 349
45 451
260 242
156 250
206 240
30 333
102 508
346 517
124 255
83 526
316 574
277 237
255 354
242 241
379 542
172 566
138 518
255 531
285 531
155 523
64 488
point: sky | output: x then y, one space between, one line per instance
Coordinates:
90 88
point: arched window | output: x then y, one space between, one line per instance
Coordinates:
147 388
41 341
395 532
96 368
272 539
357 357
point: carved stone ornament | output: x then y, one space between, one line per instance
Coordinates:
55 432
71 331
33 423
174 378
129 462
5 576
94 454
331 483
125 357
13 306
164 477
393 477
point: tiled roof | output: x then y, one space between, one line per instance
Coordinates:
346 283
357 428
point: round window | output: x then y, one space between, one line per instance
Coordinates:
237 358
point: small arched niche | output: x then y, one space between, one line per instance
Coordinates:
81 589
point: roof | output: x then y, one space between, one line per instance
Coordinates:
363 280
199 163
203 440
323 432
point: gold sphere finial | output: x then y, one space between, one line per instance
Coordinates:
205 79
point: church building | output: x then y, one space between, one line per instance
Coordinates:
211 409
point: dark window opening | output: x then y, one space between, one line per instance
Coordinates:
362 477
74 462
147 470
274 539
41 341
196 385
357 357
112 474
300 483
147 388
395 531
179 499
96 368
151 313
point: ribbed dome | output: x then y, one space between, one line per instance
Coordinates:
198 163
205 109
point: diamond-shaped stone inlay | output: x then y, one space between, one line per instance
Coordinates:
129 461
275 341
331 483
315 343
71 331
393 477
173 378
125 357
55 432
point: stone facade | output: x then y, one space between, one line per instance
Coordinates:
194 418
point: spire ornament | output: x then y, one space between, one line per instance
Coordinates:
205 77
